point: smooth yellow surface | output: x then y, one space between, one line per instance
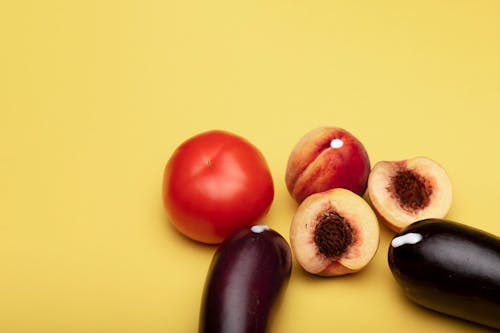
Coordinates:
95 96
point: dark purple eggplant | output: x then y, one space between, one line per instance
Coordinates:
449 267
246 277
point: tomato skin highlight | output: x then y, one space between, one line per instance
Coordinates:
215 183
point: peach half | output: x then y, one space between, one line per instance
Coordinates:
334 233
403 192
327 158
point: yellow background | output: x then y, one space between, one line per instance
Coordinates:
95 96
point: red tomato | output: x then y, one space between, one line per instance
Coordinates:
215 183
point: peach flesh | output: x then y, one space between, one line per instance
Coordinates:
334 233
327 158
402 192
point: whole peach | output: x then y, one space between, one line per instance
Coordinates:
327 158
